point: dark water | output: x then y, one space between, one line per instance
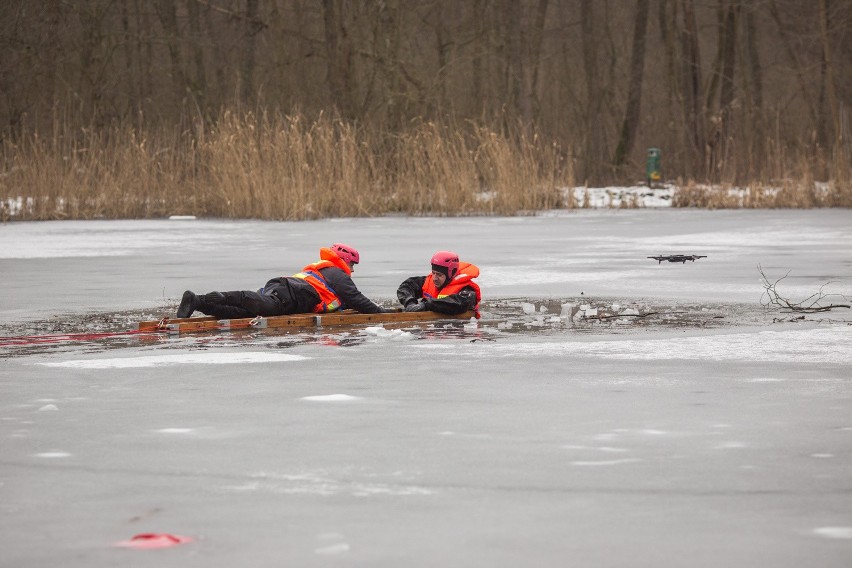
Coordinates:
96 332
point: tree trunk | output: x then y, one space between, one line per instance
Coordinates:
828 66
692 87
199 82
798 70
667 22
593 135
753 90
166 12
634 89
442 42
727 54
531 105
253 26
512 14
339 56
478 51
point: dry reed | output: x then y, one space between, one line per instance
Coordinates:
276 167
290 168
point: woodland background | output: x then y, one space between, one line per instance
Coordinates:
307 108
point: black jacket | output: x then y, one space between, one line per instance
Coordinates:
411 291
304 297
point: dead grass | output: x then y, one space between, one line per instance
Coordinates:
786 194
274 167
291 168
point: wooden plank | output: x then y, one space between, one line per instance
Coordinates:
296 321
329 320
300 320
202 324
153 325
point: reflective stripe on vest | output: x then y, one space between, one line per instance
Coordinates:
329 301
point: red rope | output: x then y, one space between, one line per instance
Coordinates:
60 337
36 339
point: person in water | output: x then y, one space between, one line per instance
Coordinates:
448 289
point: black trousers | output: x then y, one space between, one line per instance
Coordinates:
247 304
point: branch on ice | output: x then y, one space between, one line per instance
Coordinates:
819 301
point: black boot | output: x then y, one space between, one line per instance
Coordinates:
188 304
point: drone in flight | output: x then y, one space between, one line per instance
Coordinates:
682 258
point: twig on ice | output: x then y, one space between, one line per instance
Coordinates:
814 303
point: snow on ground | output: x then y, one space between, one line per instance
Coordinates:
607 410
630 196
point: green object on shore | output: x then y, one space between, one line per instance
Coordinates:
652 167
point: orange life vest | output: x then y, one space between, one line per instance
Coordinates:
329 301
467 272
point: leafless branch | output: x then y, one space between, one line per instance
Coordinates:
819 301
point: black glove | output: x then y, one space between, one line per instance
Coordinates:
416 307
468 298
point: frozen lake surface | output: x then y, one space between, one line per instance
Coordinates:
708 431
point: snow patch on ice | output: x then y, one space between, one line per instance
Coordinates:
465 435
338 548
331 398
175 430
310 483
834 532
390 334
605 462
176 359
606 449
53 455
617 432
49 407
730 446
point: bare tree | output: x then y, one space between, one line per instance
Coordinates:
591 74
692 85
723 77
789 46
593 135
752 78
828 75
338 48
531 103
253 25
167 13
634 88
198 87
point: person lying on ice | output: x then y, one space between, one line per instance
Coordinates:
448 289
324 286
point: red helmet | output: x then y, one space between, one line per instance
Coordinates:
346 253
446 262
